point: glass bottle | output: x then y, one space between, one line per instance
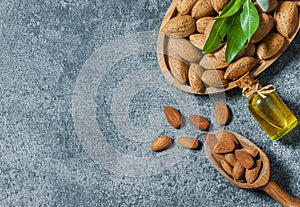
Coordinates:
274 117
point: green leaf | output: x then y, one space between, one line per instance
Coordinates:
236 38
263 4
233 7
249 19
217 34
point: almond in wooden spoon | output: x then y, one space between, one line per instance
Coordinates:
262 182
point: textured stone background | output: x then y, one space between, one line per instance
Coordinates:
45 44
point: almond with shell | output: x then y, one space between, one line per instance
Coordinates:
210 62
180 26
250 51
239 68
195 72
198 40
202 8
209 27
270 46
178 69
173 116
220 53
185 6
161 143
202 23
185 49
188 142
287 18
266 23
218 5
214 78
272 5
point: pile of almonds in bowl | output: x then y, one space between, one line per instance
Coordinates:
186 28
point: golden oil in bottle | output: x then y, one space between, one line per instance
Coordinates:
272 114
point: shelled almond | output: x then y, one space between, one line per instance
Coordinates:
243 164
192 22
188 142
161 143
173 116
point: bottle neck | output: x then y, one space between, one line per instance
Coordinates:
257 89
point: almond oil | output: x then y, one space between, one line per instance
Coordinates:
274 117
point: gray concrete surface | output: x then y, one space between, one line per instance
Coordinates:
75 127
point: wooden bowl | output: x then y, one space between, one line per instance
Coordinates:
162 51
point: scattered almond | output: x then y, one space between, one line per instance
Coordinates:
199 122
173 116
161 143
188 142
222 113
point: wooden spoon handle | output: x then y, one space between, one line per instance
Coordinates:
280 195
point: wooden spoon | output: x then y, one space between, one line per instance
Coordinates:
263 182
162 52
